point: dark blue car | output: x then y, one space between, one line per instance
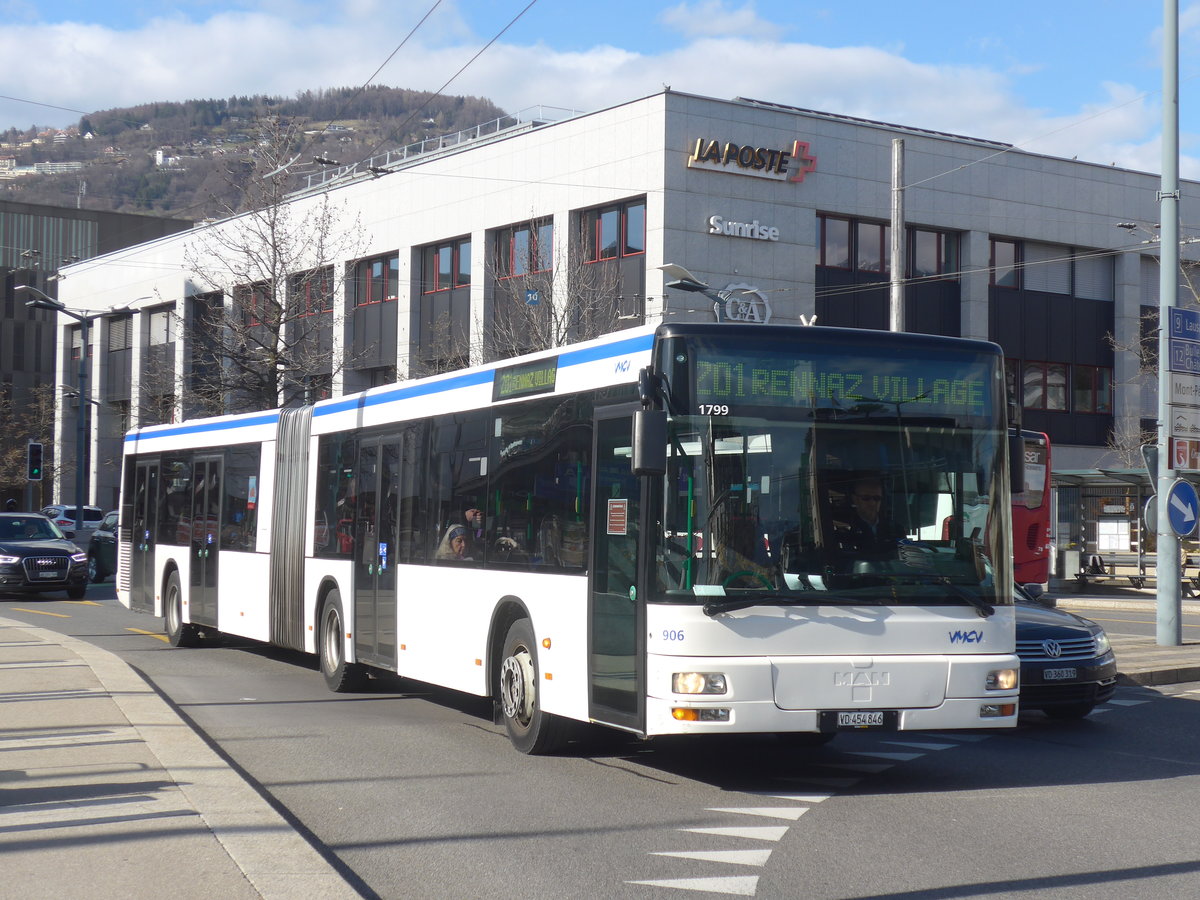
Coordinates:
1067 665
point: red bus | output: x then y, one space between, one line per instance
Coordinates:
1031 513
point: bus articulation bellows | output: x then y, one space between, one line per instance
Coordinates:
658 531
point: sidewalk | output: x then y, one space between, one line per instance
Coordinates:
105 792
1140 660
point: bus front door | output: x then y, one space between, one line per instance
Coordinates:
616 611
142 536
205 540
375 553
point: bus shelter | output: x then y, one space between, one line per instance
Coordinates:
1099 527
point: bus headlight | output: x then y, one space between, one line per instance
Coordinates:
1003 679
698 683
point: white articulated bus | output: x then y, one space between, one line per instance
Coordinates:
656 531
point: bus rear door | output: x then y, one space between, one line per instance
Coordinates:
142 535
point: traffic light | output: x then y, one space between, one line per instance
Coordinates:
33 461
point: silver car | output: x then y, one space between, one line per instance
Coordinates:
63 516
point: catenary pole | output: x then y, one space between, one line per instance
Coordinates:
1168 599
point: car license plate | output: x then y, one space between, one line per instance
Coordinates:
1057 674
858 719
47 574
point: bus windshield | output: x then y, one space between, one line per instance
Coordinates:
810 491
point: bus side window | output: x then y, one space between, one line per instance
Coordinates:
541 485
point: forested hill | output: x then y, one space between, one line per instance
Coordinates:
182 159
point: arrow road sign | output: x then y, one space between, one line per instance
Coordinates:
1182 506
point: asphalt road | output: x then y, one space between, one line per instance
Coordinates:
418 794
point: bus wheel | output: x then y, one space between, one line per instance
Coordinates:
178 633
529 728
340 676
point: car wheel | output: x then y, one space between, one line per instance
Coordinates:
95 575
1070 711
76 591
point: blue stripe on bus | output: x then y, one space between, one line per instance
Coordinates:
567 358
203 425
474 379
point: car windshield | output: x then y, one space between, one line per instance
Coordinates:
33 528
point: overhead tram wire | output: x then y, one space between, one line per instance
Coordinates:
400 129
367 83
1067 127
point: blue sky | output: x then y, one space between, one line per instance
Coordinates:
1065 77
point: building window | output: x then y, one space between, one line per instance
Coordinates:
873 246
615 231
376 280
1006 261
524 249
835 242
1091 389
120 333
1044 386
446 266
161 329
932 253
311 293
380 375
253 302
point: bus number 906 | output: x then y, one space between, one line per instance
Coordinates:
714 409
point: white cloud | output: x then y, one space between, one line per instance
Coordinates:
92 67
710 18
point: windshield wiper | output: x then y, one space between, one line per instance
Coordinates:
982 607
716 607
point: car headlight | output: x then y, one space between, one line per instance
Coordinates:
78 557
1102 643
9 560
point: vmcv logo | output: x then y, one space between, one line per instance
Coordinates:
622 366
966 637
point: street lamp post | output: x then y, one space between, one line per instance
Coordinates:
82 425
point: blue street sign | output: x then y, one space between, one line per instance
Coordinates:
1185 324
1182 506
1185 355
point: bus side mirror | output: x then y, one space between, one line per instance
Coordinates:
649 442
1016 462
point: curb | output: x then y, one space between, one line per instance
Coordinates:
277 860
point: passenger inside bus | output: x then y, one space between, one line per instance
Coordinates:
454 544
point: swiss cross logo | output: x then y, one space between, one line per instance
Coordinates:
807 162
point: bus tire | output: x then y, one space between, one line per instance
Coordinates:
530 729
340 676
179 633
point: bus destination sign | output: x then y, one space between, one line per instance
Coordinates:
916 386
525 379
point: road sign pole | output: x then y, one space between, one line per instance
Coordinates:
1169 598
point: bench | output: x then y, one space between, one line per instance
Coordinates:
1099 568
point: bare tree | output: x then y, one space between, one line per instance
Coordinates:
563 298
27 414
1126 441
262 303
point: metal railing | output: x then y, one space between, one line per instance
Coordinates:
504 126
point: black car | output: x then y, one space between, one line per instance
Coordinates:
102 548
1067 665
35 557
